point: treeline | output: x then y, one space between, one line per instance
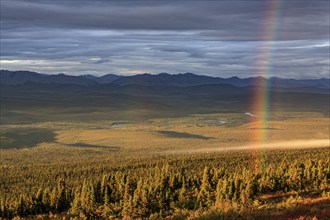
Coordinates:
163 190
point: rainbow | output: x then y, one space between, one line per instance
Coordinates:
261 96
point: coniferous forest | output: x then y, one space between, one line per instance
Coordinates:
173 185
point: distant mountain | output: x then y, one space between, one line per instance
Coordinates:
109 78
23 77
65 79
319 83
190 79
103 79
165 79
160 80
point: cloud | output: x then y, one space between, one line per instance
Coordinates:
220 38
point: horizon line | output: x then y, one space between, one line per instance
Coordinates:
165 73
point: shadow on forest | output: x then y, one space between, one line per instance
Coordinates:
25 137
31 137
84 145
265 128
174 134
316 209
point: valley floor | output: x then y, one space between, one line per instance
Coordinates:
203 166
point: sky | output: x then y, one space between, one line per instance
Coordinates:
288 39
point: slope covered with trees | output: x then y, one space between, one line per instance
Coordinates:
154 189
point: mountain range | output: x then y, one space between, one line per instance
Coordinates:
15 78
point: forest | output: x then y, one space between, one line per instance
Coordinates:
173 185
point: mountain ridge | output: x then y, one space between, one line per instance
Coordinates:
15 78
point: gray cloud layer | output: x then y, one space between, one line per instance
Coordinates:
221 38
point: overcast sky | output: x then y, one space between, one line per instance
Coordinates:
217 38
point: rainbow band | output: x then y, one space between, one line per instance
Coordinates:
261 99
